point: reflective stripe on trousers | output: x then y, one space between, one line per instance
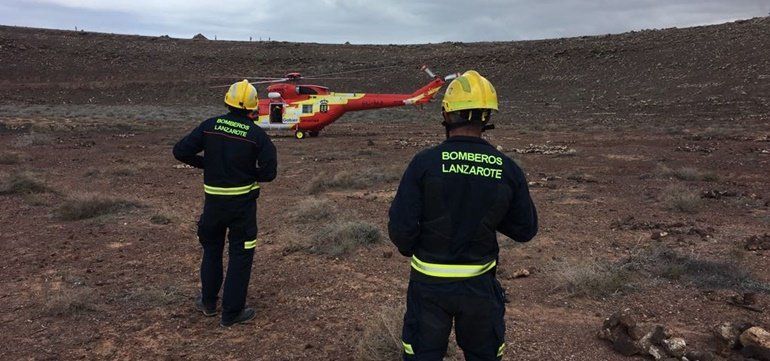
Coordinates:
407 348
230 191
451 270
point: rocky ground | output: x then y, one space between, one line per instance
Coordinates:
647 156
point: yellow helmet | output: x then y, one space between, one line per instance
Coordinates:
469 91
242 95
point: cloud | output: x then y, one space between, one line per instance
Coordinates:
372 21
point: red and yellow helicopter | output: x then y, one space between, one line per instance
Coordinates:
307 109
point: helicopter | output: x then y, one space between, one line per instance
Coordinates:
307 109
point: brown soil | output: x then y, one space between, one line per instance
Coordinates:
121 286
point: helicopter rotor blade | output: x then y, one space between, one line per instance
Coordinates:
242 77
270 81
326 78
354 71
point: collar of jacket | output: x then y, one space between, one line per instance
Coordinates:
468 139
236 116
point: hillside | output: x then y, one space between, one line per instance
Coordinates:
719 71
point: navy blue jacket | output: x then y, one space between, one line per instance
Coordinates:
452 200
237 152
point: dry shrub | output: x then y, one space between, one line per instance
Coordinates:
381 340
681 199
649 267
592 278
22 183
161 219
94 205
123 171
8 158
351 179
69 301
339 238
312 210
666 263
156 296
687 174
32 139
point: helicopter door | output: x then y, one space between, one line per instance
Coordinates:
276 113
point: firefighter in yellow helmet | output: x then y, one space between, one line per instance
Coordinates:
452 200
237 156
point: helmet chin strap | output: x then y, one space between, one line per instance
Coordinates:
451 126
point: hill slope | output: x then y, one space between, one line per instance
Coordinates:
718 71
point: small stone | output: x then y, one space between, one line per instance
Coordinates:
637 332
656 352
756 341
623 344
700 356
644 343
750 298
675 346
612 321
521 273
726 335
387 254
659 333
627 319
658 235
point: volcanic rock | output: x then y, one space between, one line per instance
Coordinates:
700 356
726 335
756 343
758 243
675 346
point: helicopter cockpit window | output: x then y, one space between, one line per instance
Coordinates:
307 108
302 90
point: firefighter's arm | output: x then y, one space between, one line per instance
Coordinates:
520 222
267 159
187 149
406 210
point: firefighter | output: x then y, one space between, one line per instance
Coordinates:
452 200
238 155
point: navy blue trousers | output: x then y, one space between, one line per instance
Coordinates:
476 306
235 217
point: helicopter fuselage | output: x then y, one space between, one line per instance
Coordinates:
307 109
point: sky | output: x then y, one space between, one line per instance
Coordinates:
375 21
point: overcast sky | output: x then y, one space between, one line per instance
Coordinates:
375 21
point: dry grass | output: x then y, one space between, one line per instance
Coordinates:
161 219
156 296
24 183
69 301
337 238
600 278
350 179
681 199
9 158
687 174
123 171
381 339
312 210
91 206
33 139
710 274
592 278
